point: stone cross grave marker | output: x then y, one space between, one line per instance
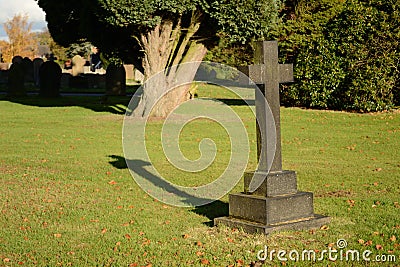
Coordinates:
268 74
275 203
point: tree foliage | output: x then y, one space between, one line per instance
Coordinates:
118 26
346 54
21 39
158 34
44 38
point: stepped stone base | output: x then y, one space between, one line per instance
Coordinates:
275 184
314 222
275 205
270 210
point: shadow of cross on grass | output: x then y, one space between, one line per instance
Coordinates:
213 210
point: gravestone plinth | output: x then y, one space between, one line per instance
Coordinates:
275 204
277 183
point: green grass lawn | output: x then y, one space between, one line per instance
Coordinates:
67 198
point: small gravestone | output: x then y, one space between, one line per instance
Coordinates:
27 64
17 59
50 78
115 80
95 80
273 202
16 78
65 80
80 81
78 63
37 62
4 73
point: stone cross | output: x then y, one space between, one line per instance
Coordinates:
275 204
268 74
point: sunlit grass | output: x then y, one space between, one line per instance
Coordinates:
67 197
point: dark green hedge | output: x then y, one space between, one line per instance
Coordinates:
346 55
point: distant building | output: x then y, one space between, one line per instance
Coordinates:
43 50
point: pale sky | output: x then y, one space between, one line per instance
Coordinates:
9 8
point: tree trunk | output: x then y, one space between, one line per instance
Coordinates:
167 48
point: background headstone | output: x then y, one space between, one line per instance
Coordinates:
4 73
50 79
65 79
115 80
37 62
16 78
77 65
17 59
80 81
27 64
95 80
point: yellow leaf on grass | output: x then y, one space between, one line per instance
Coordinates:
199 253
368 243
324 227
205 262
239 262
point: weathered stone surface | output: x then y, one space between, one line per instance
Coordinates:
266 57
314 222
276 184
77 65
271 210
130 71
